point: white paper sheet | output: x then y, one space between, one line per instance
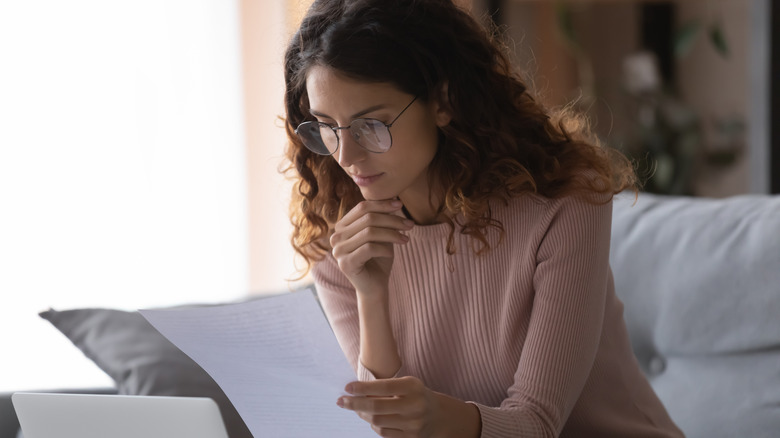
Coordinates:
275 358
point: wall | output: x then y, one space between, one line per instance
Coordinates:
265 32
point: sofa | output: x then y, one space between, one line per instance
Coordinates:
700 282
699 279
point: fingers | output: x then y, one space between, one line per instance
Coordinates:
393 425
382 396
371 221
386 432
402 395
365 238
394 407
368 232
374 405
401 386
386 207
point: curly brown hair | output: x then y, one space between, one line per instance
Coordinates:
501 142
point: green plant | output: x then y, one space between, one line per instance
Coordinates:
667 135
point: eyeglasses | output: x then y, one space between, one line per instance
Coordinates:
371 134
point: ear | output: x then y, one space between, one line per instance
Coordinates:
440 107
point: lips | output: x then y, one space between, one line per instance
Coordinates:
365 179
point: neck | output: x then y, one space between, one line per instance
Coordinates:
423 210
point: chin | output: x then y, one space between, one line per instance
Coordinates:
377 195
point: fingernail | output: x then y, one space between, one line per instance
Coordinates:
340 402
408 222
348 388
396 203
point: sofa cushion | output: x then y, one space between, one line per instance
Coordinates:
700 281
139 359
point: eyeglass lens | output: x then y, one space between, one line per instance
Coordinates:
321 138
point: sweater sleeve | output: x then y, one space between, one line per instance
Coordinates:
570 287
339 300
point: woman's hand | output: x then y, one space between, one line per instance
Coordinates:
405 407
363 242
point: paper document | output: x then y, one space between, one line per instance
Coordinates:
275 358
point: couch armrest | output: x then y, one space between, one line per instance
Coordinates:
9 424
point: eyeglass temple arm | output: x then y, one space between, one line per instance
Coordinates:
389 125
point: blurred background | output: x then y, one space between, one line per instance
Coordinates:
680 86
140 141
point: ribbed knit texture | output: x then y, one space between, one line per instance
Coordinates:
531 332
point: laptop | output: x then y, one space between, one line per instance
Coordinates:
45 415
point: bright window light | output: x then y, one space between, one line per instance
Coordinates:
122 169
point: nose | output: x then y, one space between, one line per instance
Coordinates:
349 151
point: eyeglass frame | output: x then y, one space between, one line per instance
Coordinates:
337 128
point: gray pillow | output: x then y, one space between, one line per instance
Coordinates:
140 360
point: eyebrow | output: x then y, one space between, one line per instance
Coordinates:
354 116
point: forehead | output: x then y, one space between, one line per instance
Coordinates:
329 89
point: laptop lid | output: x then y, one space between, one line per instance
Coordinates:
44 415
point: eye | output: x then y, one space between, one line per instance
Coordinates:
324 121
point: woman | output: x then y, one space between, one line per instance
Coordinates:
458 231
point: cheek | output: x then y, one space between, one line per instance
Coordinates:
430 143
414 153
424 140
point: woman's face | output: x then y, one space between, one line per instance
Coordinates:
402 170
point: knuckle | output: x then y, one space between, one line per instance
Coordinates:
417 425
414 383
343 265
419 405
365 220
374 219
375 247
365 233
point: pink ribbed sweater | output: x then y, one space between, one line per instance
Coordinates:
531 332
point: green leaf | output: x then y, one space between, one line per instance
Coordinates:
685 37
719 40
